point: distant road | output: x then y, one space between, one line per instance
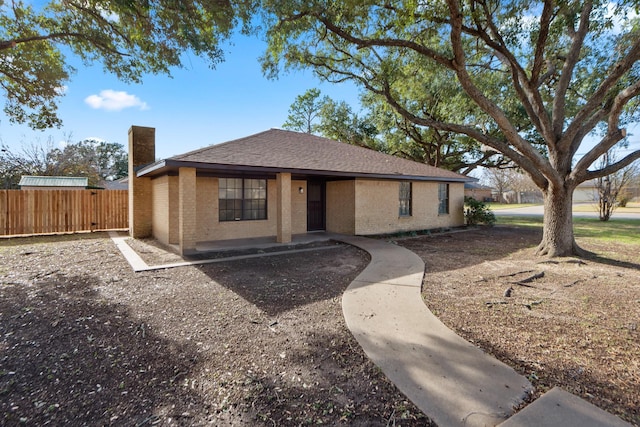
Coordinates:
539 210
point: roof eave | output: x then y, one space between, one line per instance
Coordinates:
168 165
152 169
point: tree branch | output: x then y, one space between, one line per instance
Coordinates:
595 101
481 162
614 110
500 146
527 92
538 60
8 44
364 43
559 100
620 101
612 168
612 138
530 159
100 19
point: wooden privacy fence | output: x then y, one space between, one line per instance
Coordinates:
56 211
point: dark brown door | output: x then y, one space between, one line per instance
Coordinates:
315 205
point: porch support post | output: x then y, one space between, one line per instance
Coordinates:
283 182
187 210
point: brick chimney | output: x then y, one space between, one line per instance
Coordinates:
142 151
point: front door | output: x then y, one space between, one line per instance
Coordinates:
315 205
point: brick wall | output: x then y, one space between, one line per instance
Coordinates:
340 212
187 212
377 202
298 207
141 152
353 207
212 229
207 206
161 208
284 202
209 227
164 220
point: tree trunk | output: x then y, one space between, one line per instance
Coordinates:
557 238
606 208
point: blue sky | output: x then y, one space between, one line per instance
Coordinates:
199 106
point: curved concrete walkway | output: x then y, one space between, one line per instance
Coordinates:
450 380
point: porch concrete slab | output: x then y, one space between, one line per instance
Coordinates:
138 264
261 242
449 379
560 408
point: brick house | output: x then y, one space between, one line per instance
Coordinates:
478 191
279 183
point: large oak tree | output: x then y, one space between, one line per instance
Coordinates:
130 38
404 137
545 74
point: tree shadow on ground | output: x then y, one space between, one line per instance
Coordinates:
481 245
327 387
473 247
571 377
69 357
276 284
594 257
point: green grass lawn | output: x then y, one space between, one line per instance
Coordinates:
615 230
499 206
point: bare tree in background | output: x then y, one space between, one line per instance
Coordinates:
610 187
525 190
31 159
96 160
499 180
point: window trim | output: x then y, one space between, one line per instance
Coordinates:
243 201
409 200
443 201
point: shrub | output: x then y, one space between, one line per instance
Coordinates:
477 212
624 197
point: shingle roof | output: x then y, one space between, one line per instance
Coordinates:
302 153
53 181
475 186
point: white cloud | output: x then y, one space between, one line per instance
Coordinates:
61 90
112 100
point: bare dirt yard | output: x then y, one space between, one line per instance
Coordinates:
564 322
262 341
85 341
